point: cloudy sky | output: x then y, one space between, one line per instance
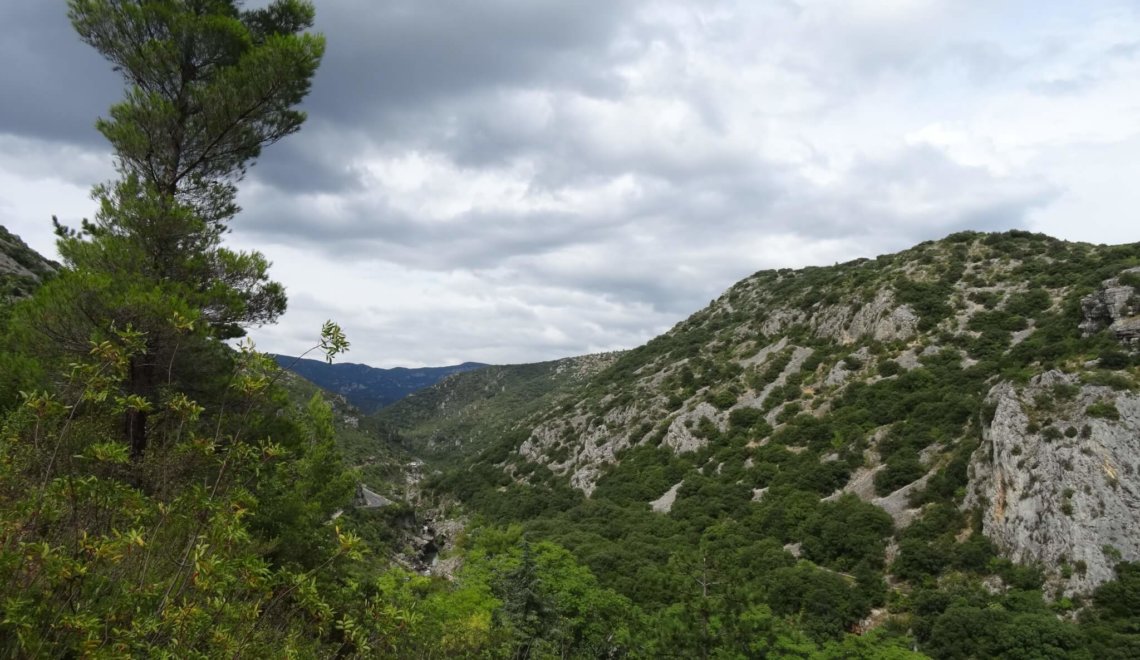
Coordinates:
518 180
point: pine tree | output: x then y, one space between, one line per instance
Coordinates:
209 84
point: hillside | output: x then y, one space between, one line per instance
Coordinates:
21 268
961 413
466 412
370 388
360 440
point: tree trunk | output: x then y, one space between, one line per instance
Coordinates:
140 379
135 423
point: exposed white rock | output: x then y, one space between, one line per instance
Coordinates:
585 478
883 320
1115 306
664 504
763 354
680 438
1066 499
779 320
840 373
594 444
880 319
1021 335
897 504
10 265
908 359
755 399
861 484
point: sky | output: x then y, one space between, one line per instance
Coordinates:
510 181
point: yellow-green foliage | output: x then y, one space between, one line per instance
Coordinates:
104 555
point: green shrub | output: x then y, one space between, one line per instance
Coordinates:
1030 303
1114 359
745 418
1103 409
998 320
723 399
901 469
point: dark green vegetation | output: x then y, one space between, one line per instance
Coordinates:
758 444
369 388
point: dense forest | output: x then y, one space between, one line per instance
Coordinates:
168 491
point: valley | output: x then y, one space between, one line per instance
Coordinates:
963 413
847 461
929 453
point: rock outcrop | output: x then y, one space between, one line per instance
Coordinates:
1058 476
22 269
1116 306
664 504
882 319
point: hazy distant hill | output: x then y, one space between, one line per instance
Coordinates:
369 388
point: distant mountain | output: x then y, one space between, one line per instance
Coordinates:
369 388
469 412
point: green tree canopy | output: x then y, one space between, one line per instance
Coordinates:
209 84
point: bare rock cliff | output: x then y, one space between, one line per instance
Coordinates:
1058 477
1116 306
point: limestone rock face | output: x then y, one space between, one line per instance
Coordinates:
1115 306
664 504
594 445
8 265
881 319
1058 485
840 372
680 437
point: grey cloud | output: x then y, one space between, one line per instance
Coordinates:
540 323
317 160
54 85
366 229
395 58
1064 86
983 62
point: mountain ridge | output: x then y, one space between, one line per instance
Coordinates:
370 388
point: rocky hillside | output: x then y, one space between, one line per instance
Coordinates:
370 388
992 375
21 268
